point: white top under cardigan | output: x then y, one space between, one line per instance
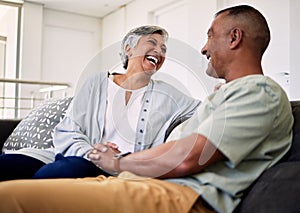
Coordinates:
121 118
83 124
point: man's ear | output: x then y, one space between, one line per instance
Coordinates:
236 35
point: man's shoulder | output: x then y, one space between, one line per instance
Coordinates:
254 85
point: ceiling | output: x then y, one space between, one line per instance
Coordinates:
95 8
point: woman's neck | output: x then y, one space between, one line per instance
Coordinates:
132 80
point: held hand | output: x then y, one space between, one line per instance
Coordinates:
102 157
113 146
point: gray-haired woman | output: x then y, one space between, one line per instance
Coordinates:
129 112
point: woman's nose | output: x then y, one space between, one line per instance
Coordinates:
159 51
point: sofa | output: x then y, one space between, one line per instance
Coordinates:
6 128
277 190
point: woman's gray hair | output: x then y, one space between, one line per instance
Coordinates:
132 37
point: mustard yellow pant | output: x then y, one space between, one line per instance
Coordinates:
126 193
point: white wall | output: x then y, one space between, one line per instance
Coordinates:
294 49
31 41
185 66
9 30
56 46
69 42
8 62
113 26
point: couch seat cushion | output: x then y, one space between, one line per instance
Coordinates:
277 190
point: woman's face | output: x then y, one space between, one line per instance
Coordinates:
148 54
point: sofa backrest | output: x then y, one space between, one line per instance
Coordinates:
6 128
294 152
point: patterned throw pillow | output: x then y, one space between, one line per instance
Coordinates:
36 129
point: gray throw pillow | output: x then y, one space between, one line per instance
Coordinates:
35 130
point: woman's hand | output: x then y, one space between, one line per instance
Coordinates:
113 146
103 156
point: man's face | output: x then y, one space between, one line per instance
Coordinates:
215 48
210 71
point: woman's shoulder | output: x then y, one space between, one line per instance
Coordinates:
98 75
169 89
95 77
91 81
163 85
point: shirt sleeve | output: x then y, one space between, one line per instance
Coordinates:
69 139
70 135
242 120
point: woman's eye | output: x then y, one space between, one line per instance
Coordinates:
152 42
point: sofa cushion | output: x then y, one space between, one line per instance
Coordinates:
294 152
35 130
277 190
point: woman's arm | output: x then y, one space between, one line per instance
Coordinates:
69 140
76 134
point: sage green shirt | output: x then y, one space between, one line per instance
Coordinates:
250 121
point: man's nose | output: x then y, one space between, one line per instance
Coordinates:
203 50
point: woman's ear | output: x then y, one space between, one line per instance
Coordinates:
128 51
236 35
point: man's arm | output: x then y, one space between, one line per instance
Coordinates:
173 159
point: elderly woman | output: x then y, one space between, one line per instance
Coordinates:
129 112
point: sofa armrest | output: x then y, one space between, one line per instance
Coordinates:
6 128
174 124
